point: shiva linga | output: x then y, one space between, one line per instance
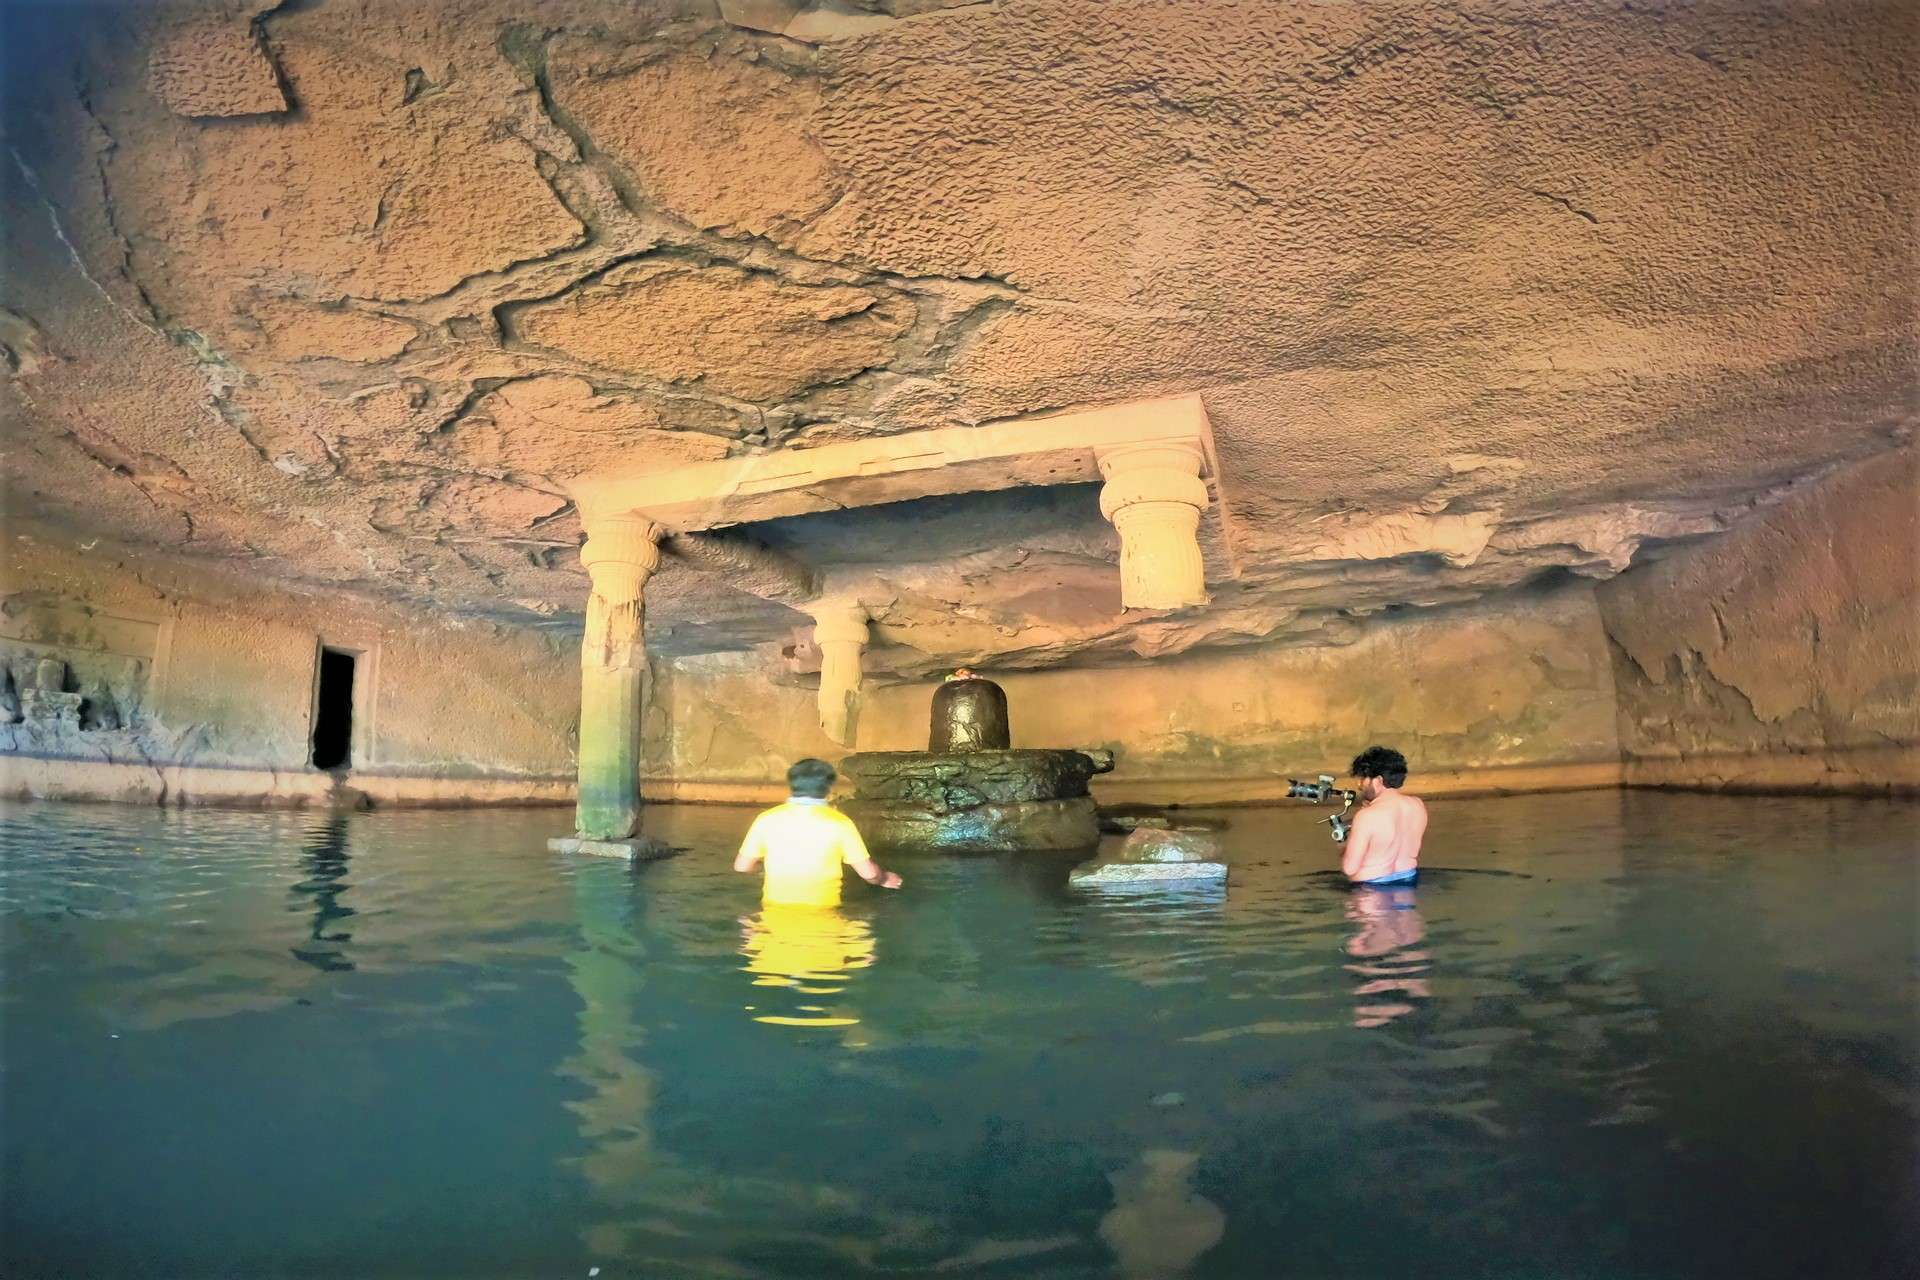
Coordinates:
969 791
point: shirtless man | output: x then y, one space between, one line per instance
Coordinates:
1384 847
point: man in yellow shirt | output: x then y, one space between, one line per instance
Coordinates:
806 841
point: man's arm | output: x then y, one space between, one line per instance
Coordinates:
1359 843
752 849
873 873
853 850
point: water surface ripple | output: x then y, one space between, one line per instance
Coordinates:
1607 1035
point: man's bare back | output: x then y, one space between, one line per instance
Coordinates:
1386 835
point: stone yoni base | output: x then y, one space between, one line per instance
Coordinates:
1031 826
944 783
634 848
1011 801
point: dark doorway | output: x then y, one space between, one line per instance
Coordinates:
333 711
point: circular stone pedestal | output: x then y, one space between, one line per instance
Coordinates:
977 802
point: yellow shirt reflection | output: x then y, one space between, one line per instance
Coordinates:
810 950
804 843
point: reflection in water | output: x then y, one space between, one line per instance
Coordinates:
324 859
1388 925
606 974
1645 1012
1159 1225
810 950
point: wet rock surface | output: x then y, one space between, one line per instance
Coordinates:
1126 821
1156 855
1150 845
976 802
969 715
943 783
1120 824
1034 826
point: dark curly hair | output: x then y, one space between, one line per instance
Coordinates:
1383 763
811 778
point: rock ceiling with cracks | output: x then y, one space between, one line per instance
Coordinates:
1480 296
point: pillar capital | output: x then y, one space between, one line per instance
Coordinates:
840 633
838 622
1154 496
620 554
1159 455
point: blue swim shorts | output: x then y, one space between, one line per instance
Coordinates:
1398 877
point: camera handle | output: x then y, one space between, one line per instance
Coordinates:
1340 822
1323 790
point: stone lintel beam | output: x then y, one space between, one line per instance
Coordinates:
1063 448
747 565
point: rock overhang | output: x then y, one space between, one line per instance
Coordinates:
1468 303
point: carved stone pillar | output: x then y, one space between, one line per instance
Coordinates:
620 554
1154 497
840 631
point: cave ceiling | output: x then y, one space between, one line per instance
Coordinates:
343 295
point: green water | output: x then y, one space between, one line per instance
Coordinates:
1618 1035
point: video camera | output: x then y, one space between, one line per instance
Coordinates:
1322 791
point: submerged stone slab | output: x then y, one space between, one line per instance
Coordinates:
1150 873
634 848
1033 826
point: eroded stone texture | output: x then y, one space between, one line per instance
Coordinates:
713 138
1150 846
1519 696
1472 301
560 427
212 64
475 503
292 330
820 21
1154 858
746 333
186 684
1037 826
943 784
373 190
1785 654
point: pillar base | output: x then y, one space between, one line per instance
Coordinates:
633 848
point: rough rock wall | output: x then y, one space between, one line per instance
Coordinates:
1780 657
1786 655
173 684
1518 697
